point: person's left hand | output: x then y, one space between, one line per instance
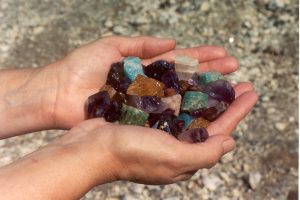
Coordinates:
83 71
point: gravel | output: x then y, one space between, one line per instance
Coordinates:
263 35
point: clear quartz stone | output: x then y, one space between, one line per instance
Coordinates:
185 66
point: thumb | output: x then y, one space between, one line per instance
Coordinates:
208 153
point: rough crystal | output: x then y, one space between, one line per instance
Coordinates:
173 102
133 116
199 123
210 76
169 92
215 112
185 66
194 100
220 90
197 113
132 67
194 135
183 85
115 75
195 79
187 118
170 79
178 127
162 121
146 86
193 88
113 113
157 69
149 104
111 91
97 104
124 85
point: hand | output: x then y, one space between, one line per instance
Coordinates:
83 71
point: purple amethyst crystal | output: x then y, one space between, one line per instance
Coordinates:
115 75
211 102
157 69
220 90
113 113
197 113
194 135
162 121
97 104
195 79
213 113
178 127
124 85
149 104
170 79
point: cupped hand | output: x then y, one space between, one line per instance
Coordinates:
84 70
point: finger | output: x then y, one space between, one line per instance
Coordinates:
202 54
223 65
206 154
142 47
234 114
242 88
90 124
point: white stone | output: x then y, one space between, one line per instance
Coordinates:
185 66
211 181
280 126
254 179
173 103
205 6
137 188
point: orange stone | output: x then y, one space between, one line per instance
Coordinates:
111 91
199 123
169 92
146 86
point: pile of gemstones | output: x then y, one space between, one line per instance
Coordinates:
175 98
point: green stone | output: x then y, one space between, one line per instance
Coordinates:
193 100
132 67
133 116
187 119
210 76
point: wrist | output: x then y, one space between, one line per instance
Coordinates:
27 99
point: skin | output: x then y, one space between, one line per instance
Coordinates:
95 152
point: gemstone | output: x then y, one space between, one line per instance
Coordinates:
185 66
157 69
194 135
130 100
210 76
124 85
170 79
193 88
195 79
194 100
115 75
119 98
162 121
197 113
220 90
172 102
132 67
150 104
199 123
146 86
169 92
178 127
133 116
187 118
111 91
113 113
97 104
215 112
183 85
211 102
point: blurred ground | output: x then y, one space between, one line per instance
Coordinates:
263 35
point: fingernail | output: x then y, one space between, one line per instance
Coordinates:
228 145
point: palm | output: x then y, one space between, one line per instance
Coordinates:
83 71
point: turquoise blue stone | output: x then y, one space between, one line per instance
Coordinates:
187 118
133 116
194 100
132 67
210 76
